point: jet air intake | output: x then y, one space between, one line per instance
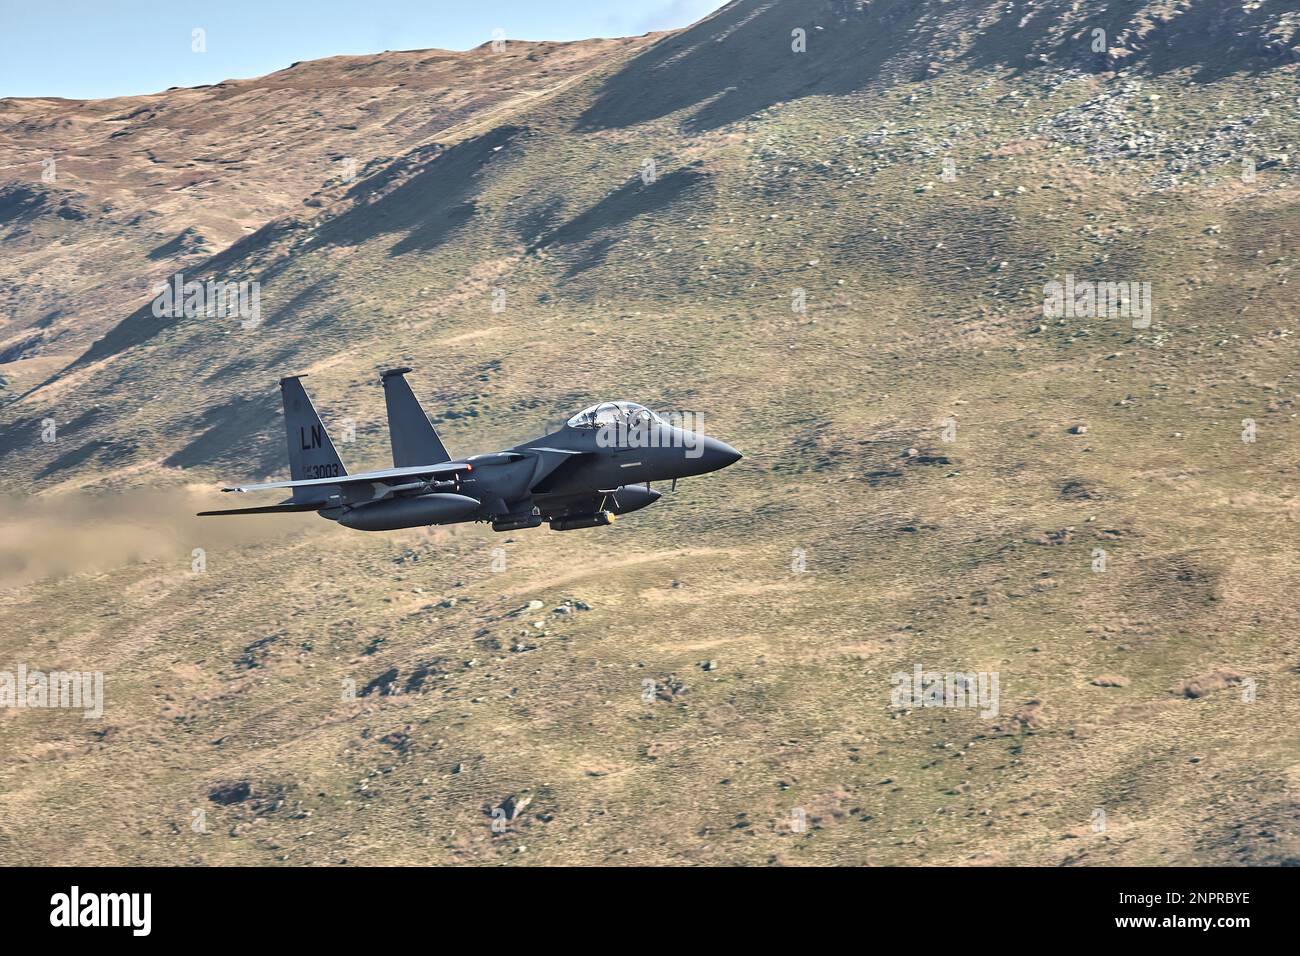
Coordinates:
409 512
632 498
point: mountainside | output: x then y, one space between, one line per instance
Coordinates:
101 200
843 259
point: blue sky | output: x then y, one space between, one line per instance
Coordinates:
96 48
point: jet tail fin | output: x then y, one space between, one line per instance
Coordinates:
414 439
311 453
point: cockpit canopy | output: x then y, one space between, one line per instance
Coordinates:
611 413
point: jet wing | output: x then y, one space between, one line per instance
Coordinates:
418 471
284 507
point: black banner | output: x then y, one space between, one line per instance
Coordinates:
390 905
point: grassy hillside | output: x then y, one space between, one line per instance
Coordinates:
1161 691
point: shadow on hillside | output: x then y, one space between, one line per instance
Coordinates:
20 203
21 433
1209 38
429 207
185 243
142 325
136 329
107 453
740 60
634 198
223 437
70 445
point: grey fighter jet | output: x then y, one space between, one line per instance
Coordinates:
598 465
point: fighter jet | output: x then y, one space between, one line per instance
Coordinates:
597 466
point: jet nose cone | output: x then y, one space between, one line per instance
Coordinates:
718 454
